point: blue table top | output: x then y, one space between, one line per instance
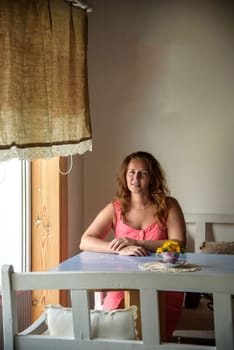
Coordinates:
91 261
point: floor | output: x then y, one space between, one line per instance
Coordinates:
196 324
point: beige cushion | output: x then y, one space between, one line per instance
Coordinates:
115 324
217 247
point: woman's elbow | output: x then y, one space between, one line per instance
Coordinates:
82 245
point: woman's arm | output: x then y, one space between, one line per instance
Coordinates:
175 222
93 238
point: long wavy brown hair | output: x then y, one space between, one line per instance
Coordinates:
158 187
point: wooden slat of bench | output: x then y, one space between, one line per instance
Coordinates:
150 316
39 343
223 325
81 318
10 320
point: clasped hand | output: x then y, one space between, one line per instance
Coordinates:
127 246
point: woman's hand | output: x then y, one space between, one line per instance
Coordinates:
119 243
133 250
127 246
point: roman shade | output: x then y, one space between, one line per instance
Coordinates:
44 102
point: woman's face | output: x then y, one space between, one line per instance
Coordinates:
137 176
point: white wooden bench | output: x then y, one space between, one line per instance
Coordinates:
79 284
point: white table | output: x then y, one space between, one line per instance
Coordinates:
216 276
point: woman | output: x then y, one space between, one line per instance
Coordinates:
143 216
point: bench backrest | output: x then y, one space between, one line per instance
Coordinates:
79 284
202 229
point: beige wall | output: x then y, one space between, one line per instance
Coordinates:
161 76
75 205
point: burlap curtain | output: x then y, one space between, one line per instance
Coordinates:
44 105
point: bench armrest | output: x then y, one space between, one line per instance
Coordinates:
38 327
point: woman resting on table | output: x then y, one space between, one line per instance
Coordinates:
142 216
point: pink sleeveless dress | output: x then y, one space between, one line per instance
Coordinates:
174 300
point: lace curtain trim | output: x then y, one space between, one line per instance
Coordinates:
46 152
80 3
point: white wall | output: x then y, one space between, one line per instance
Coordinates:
75 205
161 77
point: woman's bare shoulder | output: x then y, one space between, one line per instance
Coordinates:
108 210
172 202
174 206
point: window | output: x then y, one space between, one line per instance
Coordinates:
14 210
